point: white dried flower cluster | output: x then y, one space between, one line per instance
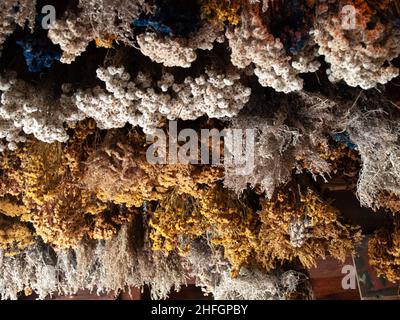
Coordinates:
97 19
299 230
137 102
168 51
253 43
213 94
360 55
73 35
13 13
178 52
26 110
306 60
265 3
122 102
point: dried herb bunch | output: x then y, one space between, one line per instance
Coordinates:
214 214
50 194
298 225
384 252
289 136
100 266
118 171
212 274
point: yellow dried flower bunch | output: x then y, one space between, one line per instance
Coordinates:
384 252
301 227
222 11
61 211
11 209
14 236
105 41
214 214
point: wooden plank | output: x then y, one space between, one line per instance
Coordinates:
326 280
85 295
130 294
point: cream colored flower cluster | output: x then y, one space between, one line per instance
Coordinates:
96 20
252 43
179 52
359 54
137 102
13 13
26 110
73 35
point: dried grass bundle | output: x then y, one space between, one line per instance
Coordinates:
104 266
212 273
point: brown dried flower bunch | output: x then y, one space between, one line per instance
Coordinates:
389 201
118 171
